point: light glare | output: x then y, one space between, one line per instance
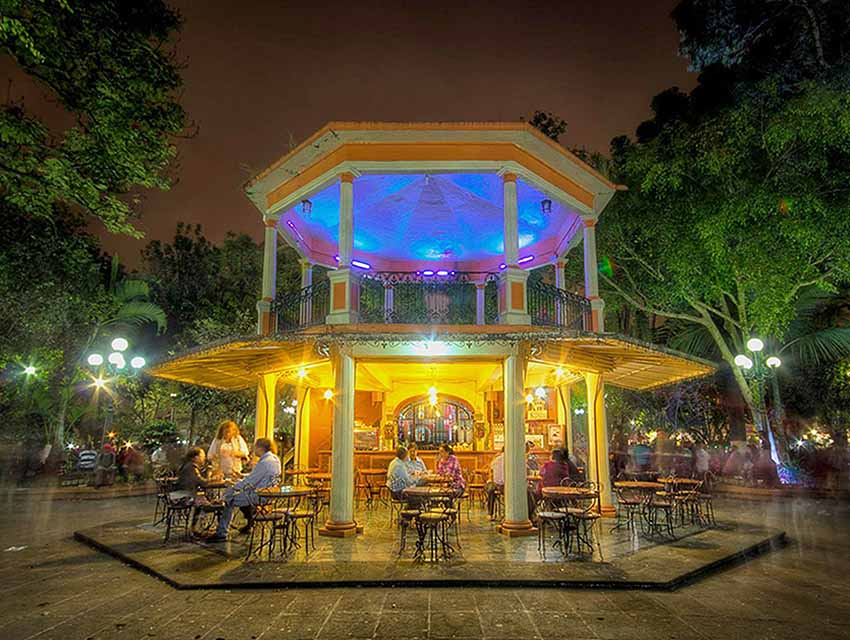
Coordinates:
120 344
95 360
755 345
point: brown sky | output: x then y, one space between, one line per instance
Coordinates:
262 73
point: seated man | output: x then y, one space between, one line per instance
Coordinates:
398 477
266 473
415 465
496 483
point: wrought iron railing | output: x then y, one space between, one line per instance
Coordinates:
554 307
305 308
424 297
417 298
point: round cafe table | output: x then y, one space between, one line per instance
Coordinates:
640 485
429 492
298 473
434 479
320 477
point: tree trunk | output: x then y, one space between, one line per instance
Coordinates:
59 424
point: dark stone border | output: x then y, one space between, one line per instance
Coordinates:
776 540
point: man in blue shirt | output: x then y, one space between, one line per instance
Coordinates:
266 473
398 477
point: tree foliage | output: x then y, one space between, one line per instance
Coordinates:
791 39
109 65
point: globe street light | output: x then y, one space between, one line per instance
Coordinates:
115 364
761 368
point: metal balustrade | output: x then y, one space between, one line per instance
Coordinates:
428 298
554 307
306 308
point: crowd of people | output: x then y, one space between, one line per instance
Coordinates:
751 464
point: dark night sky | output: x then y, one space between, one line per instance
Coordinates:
263 73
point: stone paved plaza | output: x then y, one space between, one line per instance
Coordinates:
58 588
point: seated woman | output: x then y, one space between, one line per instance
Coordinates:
448 466
190 478
552 472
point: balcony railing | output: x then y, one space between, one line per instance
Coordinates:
305 308
550 306
417 298
426 297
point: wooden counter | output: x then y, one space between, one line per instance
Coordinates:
469 460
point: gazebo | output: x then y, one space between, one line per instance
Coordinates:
417 319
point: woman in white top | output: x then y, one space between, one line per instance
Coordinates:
229 449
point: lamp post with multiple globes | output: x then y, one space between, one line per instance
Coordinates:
760 367
111 368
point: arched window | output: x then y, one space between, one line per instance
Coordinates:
429 425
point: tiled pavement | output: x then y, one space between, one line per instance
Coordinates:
56 588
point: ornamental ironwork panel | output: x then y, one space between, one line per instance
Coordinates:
554 307
420 297
305 308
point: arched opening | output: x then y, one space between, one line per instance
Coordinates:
449 420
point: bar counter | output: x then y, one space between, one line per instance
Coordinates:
373 459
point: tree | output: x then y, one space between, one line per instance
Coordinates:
790 39
107 63
549 124
729 218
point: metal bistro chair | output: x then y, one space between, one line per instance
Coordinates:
263 526
433 536
630 503
164 484
585 517
298 516
450 507
548 516
179 506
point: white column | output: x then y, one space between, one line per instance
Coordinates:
560 275
346 219
516 493
480 288
265 324
341 520
306 281
511 225
591 277
598 468
345 295
513 302
388 302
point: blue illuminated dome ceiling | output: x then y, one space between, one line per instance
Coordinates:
448 218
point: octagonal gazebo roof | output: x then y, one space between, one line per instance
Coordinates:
429 195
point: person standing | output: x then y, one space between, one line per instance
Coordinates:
228 451
266 473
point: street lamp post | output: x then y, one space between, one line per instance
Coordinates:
115 364
760 368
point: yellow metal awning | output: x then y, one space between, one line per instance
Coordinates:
624 362
236 364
